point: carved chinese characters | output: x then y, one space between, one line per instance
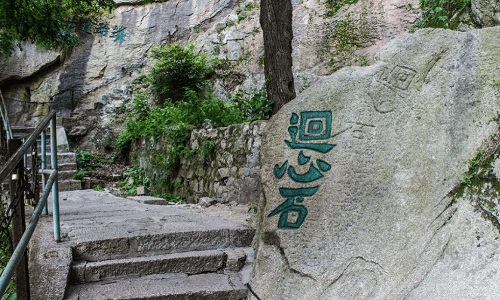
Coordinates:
308 132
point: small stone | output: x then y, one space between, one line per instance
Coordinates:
142 191
235 259
206 201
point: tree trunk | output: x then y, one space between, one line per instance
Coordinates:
276 23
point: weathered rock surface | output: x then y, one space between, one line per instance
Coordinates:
360 173
486 13
92 85
26 62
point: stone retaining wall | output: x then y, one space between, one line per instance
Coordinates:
233 174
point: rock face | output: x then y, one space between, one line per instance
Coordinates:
94 82
486 13
359 177
26 62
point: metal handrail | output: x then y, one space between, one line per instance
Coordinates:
16 257
5 117
14 160
51 185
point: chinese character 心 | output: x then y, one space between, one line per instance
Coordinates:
307 133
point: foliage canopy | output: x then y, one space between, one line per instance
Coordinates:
48 23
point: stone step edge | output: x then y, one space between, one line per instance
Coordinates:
191 262
163 243
209 286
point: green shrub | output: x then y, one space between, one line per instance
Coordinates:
186 103
179 69
86 163
134 177
253 105
98 188
441 13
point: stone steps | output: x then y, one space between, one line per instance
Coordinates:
66 161
201 264
116 248
166 286
164 243
192 262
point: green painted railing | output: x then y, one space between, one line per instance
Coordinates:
24 187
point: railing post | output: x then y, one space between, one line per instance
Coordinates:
19 221
44 166
55 186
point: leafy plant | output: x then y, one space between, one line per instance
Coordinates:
441 13
170 197
49 23
135 177
79 175
206 152
363 61
245 12
186 104
179 69
471 173
253 105
86 163
98 188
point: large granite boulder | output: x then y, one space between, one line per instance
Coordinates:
360 177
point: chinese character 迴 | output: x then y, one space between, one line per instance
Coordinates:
314 126
307 132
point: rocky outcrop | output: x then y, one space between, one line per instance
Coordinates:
95 81
361 178
26 61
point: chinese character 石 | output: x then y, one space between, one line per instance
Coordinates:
102 30
288 207
119 34
88 26
308 132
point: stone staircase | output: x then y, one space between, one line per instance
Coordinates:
206 265
116 248
66 160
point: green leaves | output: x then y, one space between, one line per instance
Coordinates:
178 70
181 80
48 23
441 13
